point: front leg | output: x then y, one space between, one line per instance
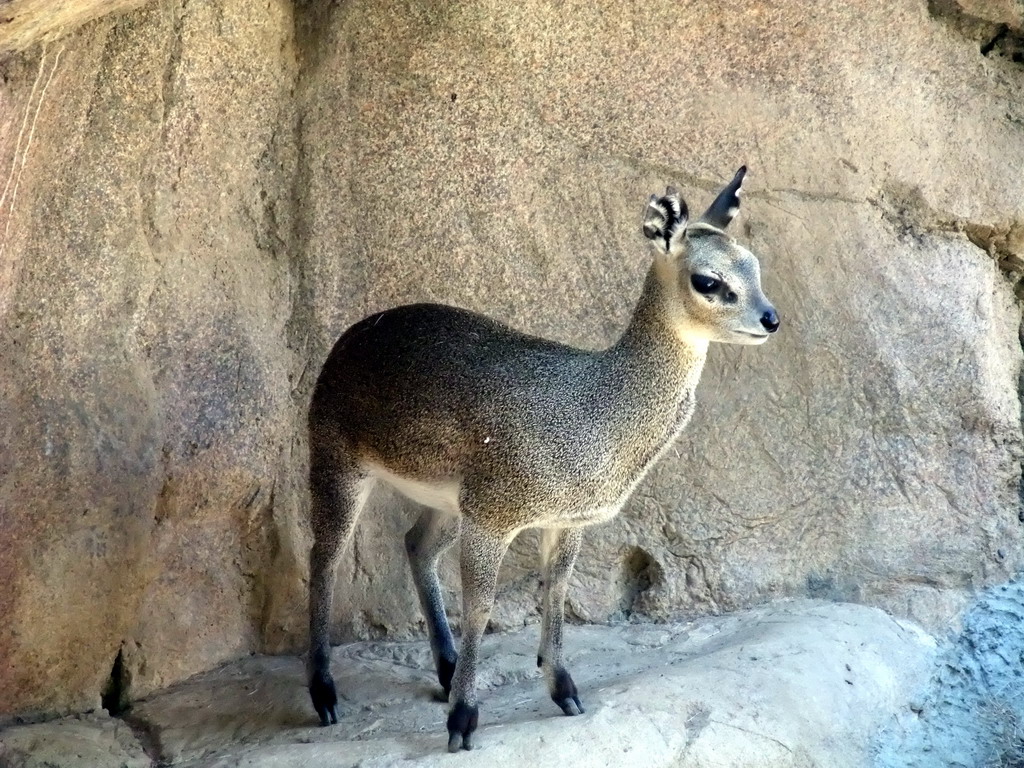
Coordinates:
482 552
559 548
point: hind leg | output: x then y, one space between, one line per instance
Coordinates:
431 536
338 489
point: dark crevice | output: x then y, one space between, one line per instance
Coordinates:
1005 43
1020 397
115 694
640 572
994 39
117 701
1004 243
988 47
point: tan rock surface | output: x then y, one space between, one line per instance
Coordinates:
1008 12
26 22
199 197
84 741
795 684
145 372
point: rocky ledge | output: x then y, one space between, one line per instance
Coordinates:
802 683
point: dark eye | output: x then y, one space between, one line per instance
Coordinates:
730 297
704 284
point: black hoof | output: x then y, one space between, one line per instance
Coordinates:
565 694
445 673
325 697
462 721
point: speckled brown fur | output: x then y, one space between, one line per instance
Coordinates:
498 431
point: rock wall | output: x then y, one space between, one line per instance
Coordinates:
144 302
199 197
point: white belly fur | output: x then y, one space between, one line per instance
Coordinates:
442 496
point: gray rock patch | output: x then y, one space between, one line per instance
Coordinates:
971 714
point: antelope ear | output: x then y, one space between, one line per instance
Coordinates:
727 204
665 222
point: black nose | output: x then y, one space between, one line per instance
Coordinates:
770 321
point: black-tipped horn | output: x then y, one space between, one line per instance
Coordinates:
727 204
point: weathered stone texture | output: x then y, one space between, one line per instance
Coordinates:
24 23
718 692
1009 13
82 741
971 712
142 312
202 196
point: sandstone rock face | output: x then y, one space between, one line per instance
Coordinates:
147 413
1005 13
199 197
24 23
793 685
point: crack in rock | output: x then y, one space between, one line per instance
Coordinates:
907 211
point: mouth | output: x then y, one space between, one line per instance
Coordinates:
752 338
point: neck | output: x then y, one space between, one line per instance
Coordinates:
655 348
